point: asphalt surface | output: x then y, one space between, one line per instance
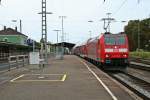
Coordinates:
68 79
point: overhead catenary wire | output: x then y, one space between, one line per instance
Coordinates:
119 8
122 4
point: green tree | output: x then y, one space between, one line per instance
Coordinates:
132 32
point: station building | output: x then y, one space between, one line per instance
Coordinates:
13 36
12 42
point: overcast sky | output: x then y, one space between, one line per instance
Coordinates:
78 13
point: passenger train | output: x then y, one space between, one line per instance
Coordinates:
110 51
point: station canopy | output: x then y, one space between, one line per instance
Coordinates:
65 44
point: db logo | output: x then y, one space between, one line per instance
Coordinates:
116 50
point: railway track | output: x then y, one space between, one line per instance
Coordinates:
141 66
136 84
140 63
140 60
139 86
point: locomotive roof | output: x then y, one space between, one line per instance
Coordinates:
114 34
98 37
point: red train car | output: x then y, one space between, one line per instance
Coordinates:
80 50
108 50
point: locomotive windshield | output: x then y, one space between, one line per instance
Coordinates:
114 40
110 40
120 41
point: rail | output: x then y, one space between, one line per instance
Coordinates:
141 66
139 86
140 60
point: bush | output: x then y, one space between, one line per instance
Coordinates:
140 54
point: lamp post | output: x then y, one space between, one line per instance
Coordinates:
57 41
90 21
62 19
20 24
62 45
57 33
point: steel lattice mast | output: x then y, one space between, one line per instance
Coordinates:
44 31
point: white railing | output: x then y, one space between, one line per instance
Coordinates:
19 60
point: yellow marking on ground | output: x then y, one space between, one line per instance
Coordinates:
37 81
64 78
43 74
16 78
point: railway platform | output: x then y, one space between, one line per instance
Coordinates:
70 79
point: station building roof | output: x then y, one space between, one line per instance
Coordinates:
10 31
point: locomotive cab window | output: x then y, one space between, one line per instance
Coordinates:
114 40
110 40
120 40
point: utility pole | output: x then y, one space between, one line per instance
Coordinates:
57 34
62 19
90 34
62 45
44 31
90 21
20 25
57 48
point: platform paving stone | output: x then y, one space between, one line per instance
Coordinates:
78 84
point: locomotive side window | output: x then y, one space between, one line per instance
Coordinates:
110 40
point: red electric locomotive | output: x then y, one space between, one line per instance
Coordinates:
108 50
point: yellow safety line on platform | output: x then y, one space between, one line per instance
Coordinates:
16 78
64 78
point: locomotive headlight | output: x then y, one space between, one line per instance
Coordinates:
107 55
125 55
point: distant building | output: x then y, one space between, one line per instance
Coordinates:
13 36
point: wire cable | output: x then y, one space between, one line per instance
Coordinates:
122 4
